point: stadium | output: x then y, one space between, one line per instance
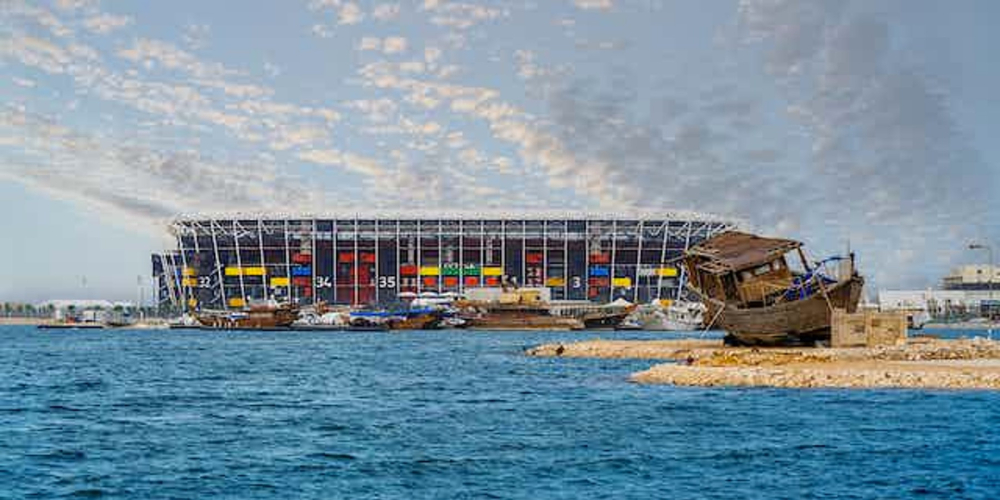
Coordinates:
367 259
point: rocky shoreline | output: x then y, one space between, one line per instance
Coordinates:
920 363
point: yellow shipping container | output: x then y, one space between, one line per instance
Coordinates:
667 272
555 281
188 271
666 302
622 282
430 271
245 271
192 302
279 281
190 282
492 271
236 302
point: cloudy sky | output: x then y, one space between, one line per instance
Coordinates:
873 122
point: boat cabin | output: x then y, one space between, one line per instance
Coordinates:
743 269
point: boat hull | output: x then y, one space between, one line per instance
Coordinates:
805 321
509 320
263 319
604 320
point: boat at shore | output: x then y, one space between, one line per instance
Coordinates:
676 316
265 316
424 318
750 291
519 309
594 316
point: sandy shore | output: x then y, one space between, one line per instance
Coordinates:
23 321
921 363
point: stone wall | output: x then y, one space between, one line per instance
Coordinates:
867 328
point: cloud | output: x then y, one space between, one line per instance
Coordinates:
394 45
594 4
350 13
139 184
461 16
106 23
386 11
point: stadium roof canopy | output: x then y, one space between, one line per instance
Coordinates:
427 214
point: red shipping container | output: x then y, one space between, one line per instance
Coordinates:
600 258
472 281
302 258
368 258
450 281
600 282
534 258
492 281
430 281
346 257
408 270
302 281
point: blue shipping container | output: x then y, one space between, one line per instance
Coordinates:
301 271
599 271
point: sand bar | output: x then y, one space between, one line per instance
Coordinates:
920 363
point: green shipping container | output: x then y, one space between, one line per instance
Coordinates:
471 270
451 270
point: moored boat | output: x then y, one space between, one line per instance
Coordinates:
516 310
263 316
750 291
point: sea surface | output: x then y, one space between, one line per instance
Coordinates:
190 414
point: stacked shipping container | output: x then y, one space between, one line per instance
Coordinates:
222 263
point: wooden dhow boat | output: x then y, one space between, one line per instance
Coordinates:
750 291
264 316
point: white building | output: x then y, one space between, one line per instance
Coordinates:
938 303
973 277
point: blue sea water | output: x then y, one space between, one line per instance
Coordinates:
188 414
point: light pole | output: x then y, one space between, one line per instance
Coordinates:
989 250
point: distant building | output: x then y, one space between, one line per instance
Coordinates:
937 303
972 277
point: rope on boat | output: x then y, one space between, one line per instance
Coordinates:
711 323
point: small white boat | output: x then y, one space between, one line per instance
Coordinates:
679 316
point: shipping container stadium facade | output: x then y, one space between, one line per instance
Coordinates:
230 262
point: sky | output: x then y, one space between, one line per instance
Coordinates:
868 123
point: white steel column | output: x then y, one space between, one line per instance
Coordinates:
683 273
263 263
184 287
218 264
239 259
586 253
420 257
503 251
440 262
312 265
545 251
663 258
336 260
614 247
638 264
357 286
524 252
461 256
399 283
288 265
566 260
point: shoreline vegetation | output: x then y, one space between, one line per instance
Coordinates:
924 363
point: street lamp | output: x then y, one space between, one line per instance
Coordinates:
989 250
